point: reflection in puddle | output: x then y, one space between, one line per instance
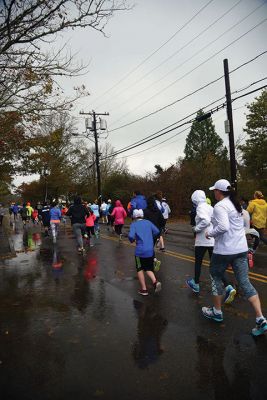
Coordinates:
31 241
91 269
151 326
57 265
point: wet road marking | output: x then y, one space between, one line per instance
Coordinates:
254 276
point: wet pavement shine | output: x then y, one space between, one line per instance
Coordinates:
74 327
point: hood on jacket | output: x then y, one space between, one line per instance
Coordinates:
260 202
118 203
198 196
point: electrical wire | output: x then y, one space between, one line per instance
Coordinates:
166 140
169 126
157 50
171 56
148 139
187 95
193 69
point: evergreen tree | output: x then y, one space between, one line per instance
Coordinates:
254 152
203 141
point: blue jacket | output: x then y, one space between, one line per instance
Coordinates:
142 231
95 208
138 202
55 213
15 209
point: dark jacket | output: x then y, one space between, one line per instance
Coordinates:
77 213
45 213
154 216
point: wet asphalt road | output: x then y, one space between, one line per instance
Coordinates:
74 327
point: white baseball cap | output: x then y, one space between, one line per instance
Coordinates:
138 213
222 185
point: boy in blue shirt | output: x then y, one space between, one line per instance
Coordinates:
142 232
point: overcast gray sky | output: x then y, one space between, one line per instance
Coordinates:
172 72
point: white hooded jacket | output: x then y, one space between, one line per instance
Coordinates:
228 229
203 219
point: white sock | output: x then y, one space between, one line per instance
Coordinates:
217 311
259 318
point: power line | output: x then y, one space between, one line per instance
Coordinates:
157 50
149 138
195 68
252 91
169 126
187 95
166 140
172 55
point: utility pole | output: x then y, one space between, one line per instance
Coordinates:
229 124
94 115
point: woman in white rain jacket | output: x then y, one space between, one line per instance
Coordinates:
203 217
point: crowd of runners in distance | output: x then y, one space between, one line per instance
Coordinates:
221 231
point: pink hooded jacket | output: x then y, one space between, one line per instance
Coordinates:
119 213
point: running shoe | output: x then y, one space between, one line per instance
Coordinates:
162 249
260 328
209 312
157 264
157 286
193 285
143 292
230 294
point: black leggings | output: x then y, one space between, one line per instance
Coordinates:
199 255
118 229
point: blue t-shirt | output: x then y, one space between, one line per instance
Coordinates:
142 231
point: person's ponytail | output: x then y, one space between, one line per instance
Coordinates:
233 197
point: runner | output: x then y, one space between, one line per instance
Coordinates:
110 222
138 201
104 212
55 217
257 208
29 211
165 213
15 209
24 214
90 227
158 200
64 211
204 213
35 218
142 232
45 215
230 248
77 212
95 208
119 215
39 208
153 214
